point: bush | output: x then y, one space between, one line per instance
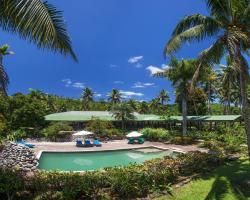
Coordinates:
198 162
99 127
182 140
17 135
155 134
52 130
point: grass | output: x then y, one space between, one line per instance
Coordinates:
222 184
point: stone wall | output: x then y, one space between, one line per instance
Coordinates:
18 156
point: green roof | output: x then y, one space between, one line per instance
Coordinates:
81 116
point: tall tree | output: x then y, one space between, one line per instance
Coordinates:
87 97
4 80
115 96
180 73
210 88
163 96
143 107
36 21
122 112
229 24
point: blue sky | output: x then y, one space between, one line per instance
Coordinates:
116 42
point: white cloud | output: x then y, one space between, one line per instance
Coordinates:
78 85
69 83
128 94
142 85
154 70
164 66
135 59
118 82
98 95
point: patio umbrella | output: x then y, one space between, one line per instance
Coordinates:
134 134
83 133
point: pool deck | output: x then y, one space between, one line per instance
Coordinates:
110 145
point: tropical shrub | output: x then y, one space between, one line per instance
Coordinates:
53 130
155 134
99 127
17 135
182 140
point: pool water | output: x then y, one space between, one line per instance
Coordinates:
82 161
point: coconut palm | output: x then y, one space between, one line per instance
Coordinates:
143 107
210 88
163 96
87 97
4 80
115 96
122 112
180 73
133 103
36 21
229 80
229 25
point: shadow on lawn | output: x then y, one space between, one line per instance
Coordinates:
228 179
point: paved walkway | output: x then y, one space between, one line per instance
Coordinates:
111 145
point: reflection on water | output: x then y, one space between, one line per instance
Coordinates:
83 162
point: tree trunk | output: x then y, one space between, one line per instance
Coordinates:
184 113
237 58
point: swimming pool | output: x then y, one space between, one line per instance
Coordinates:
83 161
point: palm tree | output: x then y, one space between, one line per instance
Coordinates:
229 80
36 21
122 112
143 107
133 103
209 88
4 80
229 24
115 96
87 97
180 73
154 104
163 96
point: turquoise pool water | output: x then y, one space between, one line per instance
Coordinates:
82 161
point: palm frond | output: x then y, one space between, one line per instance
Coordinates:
214 53
221 9
4 80
190 29
37 21
209 57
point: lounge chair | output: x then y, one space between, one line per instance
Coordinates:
131 141
97 143
22 142
141 140
86 144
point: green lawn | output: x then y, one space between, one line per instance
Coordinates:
223 184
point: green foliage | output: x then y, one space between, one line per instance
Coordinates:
17 135
155 134
196 102
99 127
53 130
182 140
11 182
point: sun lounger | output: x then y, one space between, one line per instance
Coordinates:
131 141
141 140
97 143
86 144
22 142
